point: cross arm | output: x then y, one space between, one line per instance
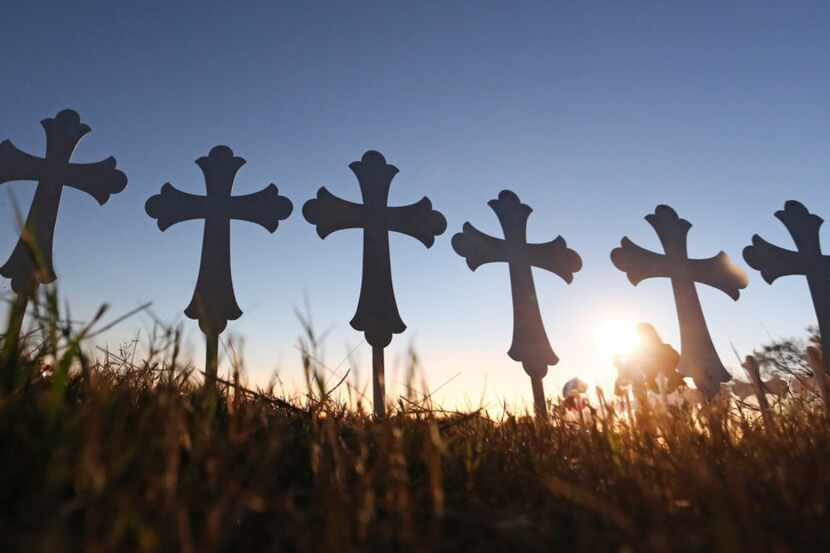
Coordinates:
173 206
802 225
478 248
330 213
639 263
555 256
773 261
670 228
18 165
418 220
100 180
265 208
719 272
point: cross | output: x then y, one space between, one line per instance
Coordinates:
530 345
377 313
807 260
214 303
30 263
698 357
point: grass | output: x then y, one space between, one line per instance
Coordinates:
130 455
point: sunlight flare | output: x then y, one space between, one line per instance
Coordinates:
616 337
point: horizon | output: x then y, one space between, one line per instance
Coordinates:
595 123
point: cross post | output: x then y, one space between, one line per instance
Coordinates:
753 371
214 303
530 345
808 261
30 263
698 357
377 313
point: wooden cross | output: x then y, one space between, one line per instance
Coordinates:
698 357
377 312
214 303
774 262
30 263
530 344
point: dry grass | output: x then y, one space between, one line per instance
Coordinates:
130 456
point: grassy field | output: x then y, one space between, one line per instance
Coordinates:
109 456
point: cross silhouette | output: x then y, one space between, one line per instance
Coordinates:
698 357
30 263
214 302
774 262
530 345
377 313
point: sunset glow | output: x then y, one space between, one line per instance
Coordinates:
616 337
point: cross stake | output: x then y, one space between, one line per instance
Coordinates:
214 303
698 357
30 264
750 365
530 344
809 261
377 312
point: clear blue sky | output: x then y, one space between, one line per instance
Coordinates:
593 113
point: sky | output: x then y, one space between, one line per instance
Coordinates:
593 113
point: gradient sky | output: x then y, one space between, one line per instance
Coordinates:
593 113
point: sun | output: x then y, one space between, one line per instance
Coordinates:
616 337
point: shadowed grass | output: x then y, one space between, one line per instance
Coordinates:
121 454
